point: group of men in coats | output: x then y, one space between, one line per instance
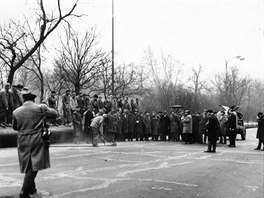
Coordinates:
10 99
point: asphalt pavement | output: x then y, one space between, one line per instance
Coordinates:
143 170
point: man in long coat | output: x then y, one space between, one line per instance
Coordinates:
6 103
212 127
128 125
155 121
87 119
231 127
33 152
187 127
260 131
174 126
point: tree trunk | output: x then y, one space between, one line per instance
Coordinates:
11 76
41 89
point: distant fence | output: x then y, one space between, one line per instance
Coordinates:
251 125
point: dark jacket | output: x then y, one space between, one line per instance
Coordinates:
231 124
138 129
164 125
212 127
260 131
174 123
87 116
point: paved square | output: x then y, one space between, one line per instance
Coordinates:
143 170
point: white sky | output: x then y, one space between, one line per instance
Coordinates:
206 32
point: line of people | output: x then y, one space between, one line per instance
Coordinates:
10 99
128 124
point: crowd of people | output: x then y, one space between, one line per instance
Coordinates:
10 99
122 119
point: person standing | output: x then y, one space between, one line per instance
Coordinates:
212 127
164 129
147 126
174 126
94 104
155 126
231 127
187 127
119 125
260 132
222 122
33 152
18 101
138 128
128 125
87 117
66 108
52 102
4 105
110 125
77 124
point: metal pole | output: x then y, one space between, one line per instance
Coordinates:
113 66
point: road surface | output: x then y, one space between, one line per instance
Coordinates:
143 170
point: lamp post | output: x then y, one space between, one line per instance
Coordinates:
226 77
113 50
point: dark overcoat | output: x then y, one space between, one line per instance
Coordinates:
28 121
174 123
212 127
3 103
155 125
231 124
110 123
129 123
164 125
138 127
87 116
260 131
147 124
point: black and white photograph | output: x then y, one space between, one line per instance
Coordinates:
131 98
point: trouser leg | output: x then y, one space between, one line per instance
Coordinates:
29 186
209 146
259 144
214 145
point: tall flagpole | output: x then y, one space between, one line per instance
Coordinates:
113 66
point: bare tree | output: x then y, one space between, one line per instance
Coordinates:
129 80
231 89
164 76
80 59
12 52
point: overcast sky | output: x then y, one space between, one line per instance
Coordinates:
206 32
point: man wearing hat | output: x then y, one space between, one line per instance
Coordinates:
212 127
231 127
33 152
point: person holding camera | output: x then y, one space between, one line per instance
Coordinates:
33 150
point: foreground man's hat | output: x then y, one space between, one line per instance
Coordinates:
29 96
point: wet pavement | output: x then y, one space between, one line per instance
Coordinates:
143 170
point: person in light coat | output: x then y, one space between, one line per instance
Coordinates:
187 127
33 151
